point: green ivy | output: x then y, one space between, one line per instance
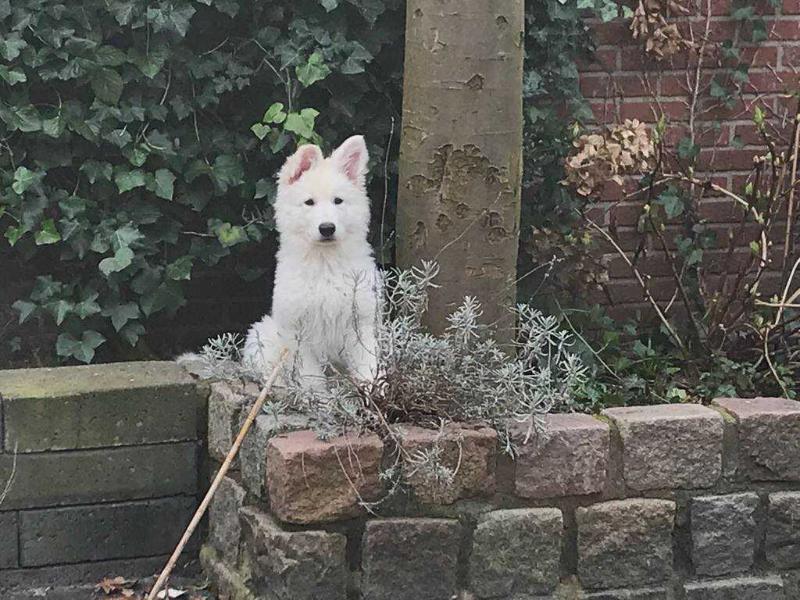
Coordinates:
127 160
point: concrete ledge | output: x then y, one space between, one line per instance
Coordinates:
99 406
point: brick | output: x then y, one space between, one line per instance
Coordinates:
97 406
625 543
783 530
312 481
723 533
769 437
224 416
470 452
253 453
283 565
86 476
228 583
78 574
102 532
743 588
659 593
9 556
516 551
569 458
669 446
224 530
410 559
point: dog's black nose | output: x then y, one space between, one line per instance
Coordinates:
327 230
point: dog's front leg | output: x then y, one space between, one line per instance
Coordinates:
362 359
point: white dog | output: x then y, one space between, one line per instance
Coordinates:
325 298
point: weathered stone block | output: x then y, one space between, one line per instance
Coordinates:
9 557
723 533
224 529
742 588
86 476
625 543
783 530
227 582
283 565
769 437
640 594
96 406
669 446
569 459
224 416
791 584
470 451
312 481
410 559
101 532
253 454
516 552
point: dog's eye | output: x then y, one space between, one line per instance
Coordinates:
309 202
337 200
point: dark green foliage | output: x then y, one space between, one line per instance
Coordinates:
127 160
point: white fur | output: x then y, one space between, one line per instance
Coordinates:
324 302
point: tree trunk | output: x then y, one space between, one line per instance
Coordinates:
461 151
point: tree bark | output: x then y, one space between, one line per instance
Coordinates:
461 152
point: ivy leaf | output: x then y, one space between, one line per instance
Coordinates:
109 56
121 313
180 268
88 306
687 150
329 5
314 70
24 178
165 181
13 233
122 11
260 130
132 332
12 77
48 234
59 309
24 308
11 45
168 295
227 171
107 85
122 258
671 201
230 235
96 171
302 123
264 188
129 180
83 349
274 114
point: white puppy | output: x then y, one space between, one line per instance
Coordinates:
325 298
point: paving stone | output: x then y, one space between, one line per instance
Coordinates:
569 459
9 556
224 530
226 581
88 476
769 437
253 453
313 481
470 451
742 588
298 565
95 406
640 594
625 543
723 533
516 551
783 530
670 446
791 584
410 559
224 416
102 532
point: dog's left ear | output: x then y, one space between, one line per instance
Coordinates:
351 159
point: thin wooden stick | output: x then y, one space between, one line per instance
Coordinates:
223 470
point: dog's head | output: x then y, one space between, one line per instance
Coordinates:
323 201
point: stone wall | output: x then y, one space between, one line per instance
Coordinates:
101 466
678 502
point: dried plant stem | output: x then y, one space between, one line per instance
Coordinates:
201 510
7 486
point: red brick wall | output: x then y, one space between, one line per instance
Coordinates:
624 83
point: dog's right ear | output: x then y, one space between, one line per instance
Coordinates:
298 163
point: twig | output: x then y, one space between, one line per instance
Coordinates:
7 487
220 476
